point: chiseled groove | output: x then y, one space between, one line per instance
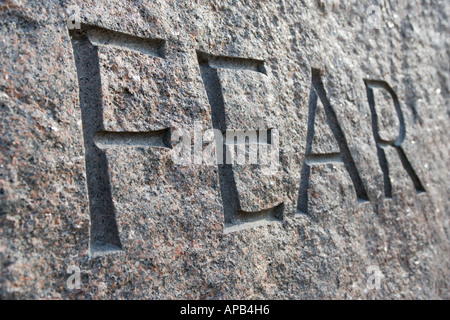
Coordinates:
103 249
233 63
244 220
103 37
106 139
323 158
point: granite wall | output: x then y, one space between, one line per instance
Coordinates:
117 122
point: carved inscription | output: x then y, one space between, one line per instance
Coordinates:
234 215
318 94
104 235
396 143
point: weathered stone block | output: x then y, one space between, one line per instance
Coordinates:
117 123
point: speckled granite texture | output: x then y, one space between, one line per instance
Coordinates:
87 177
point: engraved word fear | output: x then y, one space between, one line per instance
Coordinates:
225 147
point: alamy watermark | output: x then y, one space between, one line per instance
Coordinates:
374 279
213 147
74 280
374 19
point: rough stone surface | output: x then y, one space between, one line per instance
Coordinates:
134 67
